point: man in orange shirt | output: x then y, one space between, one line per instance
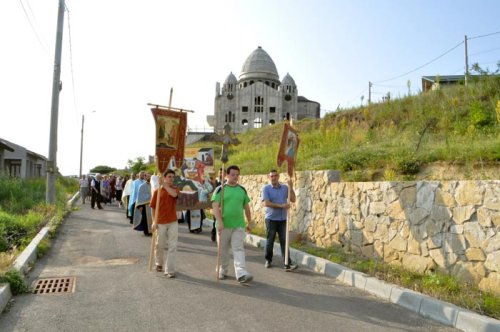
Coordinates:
166 224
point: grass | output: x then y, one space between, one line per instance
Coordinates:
457 125
438 285
23 212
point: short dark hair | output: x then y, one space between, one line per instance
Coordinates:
273 171
168 171
236 168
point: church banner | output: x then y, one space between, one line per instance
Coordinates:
170 136
288 148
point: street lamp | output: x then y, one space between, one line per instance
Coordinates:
81 144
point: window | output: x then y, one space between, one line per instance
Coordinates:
244 108
258 104
257 123
272 109
271 122
244 122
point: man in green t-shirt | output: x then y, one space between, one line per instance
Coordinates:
231 224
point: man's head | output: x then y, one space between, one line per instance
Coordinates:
142 175
274 177
169 175
232 174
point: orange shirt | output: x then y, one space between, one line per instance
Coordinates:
167 212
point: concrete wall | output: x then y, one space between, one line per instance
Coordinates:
452 226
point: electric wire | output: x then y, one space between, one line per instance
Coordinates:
34 29
482 36
71 61
422 66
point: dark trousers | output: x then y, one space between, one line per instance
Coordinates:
144 220
273 227
95 198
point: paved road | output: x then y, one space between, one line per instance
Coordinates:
115 292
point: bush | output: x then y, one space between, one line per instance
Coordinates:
17 283
409 167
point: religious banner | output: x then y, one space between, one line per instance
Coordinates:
170 136
195 179
288 148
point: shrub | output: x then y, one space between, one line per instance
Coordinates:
409 167
17 283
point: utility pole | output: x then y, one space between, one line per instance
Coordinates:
370 92
50 194
466 62
81 146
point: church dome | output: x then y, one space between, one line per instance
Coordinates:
259 65
288 80
231 79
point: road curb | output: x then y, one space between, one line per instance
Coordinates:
426 306
28 257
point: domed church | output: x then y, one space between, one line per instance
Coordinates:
258 97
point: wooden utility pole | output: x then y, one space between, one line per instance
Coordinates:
466 62
50 194
370 92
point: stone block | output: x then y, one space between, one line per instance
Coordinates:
378 288
377 208
444 198
440 213
396 211
356 279
492 262
443 259
471 321
406 298
468 193
491 244
425 194
418 216
367 251
474 234
416 263
475 255
408 196
462 214
491 283
398 243
484 217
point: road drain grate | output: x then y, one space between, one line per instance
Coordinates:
54 285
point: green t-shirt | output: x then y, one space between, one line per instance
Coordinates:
235 199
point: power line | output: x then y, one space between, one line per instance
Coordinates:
33 28
487 51
486 35
71 61
422 66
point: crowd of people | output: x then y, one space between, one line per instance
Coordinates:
138 194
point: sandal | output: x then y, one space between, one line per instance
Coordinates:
170 275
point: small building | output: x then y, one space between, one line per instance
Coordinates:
17 161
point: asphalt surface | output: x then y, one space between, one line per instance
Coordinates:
115 292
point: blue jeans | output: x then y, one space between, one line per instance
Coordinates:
273 227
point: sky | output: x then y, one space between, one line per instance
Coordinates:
120 55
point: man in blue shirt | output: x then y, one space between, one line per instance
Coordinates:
275 198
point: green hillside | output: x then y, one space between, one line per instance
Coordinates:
393 140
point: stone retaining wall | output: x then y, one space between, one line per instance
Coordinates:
452 226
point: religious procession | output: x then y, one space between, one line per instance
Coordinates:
182 191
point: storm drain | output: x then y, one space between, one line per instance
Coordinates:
54 285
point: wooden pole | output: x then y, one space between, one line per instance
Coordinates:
154 237
221 213
287 235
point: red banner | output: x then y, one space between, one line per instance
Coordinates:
170 137
288 148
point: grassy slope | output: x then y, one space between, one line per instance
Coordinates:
391 140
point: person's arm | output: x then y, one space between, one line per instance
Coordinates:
218 216
248 215
171 191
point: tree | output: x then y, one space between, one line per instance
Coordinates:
102 169
136 165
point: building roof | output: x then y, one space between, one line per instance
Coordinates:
231 79
259 65
288 80
5 146
444 78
